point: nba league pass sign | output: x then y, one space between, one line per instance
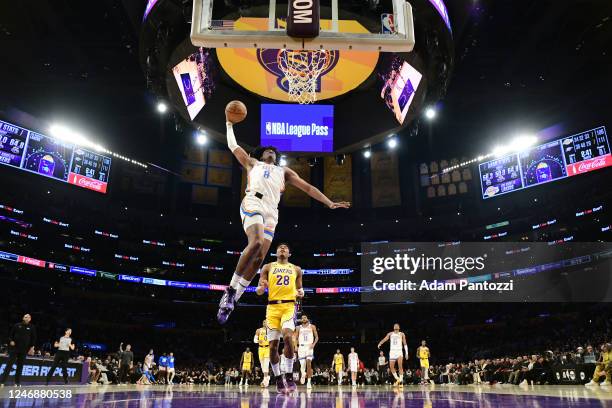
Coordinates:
298 128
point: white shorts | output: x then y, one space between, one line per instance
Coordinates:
254 210
395 354
353 367
305 352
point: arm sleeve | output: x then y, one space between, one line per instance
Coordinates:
255 339
231 138
406 349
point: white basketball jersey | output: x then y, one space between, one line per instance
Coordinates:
267 179
396 341
306 335
353 358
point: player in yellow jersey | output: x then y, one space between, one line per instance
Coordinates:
284 283
338 365
423 355
261 338
246 363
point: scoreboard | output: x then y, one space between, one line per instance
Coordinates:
36 153
562 158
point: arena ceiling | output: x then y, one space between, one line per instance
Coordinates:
519 64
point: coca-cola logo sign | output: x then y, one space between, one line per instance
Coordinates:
91 184
88 183
590 165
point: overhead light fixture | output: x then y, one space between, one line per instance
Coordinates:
367 154
340 159
162 107
430 113
201 139
392 143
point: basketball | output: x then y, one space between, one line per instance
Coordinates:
235 111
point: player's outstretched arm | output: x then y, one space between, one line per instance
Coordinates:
263 280
291 177
241 155
298 282
383 341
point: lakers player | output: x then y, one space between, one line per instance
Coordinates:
259 213
246 362
397 340
423 356
284 283
261 338
338 365
307 337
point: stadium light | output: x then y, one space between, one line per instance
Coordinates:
201 138
367 154
522 142
430 113
392 143
71 136
162 107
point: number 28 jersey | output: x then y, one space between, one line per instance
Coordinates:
281 281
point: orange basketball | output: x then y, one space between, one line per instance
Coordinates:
235 111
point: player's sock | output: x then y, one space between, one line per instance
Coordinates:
242 285
289 365
276 369
235 279
395 376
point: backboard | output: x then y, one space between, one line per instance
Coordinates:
378 25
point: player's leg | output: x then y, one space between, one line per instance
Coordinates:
400 367
273 321
252 253
392 361
302 357
309 370
425 370
288 327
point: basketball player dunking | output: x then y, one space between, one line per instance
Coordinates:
261 338
397 339
284 283
423 356
259 212
307 336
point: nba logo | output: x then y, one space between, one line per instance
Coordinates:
386 20
268 128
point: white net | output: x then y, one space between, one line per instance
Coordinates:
302 69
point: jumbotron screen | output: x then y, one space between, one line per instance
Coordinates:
298 128
562 158
30 151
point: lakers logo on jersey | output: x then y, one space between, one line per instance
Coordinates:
281 282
